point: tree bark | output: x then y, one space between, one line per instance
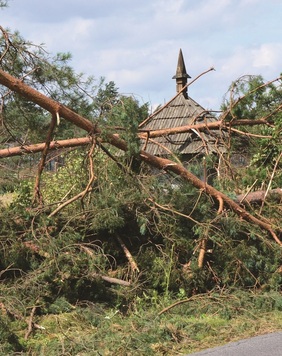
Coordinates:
205 126
35 148
257 196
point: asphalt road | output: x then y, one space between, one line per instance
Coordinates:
263 345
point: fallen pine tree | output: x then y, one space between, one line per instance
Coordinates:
58 110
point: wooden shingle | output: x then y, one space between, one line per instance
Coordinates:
182 110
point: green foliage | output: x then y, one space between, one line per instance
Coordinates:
124 117
106 98
81 241
9 341
250 98
26 122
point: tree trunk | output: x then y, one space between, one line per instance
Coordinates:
54 145
258 196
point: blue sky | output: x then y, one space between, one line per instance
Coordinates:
136 43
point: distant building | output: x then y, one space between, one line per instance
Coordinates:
182 110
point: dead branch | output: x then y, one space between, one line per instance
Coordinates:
198 296
17 316
7 41
249 134
271 179
91 168
36 192
168 151
111 280
104 278
202 253
88 188
69 201
30 323
221 205
166 208
195 297
128 255
181 91
115 281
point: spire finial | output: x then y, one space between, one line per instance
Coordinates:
181 75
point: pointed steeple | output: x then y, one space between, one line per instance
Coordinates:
181 75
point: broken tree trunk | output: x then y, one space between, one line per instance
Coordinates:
54 145
56 108
220 124
258 196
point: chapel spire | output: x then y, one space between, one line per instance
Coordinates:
181 75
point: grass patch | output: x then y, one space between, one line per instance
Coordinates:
7 198
202 322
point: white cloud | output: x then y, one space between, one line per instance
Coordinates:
136 44
171 7
264 59
243 3
72 34
267 56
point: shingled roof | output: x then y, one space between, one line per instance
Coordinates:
182 111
